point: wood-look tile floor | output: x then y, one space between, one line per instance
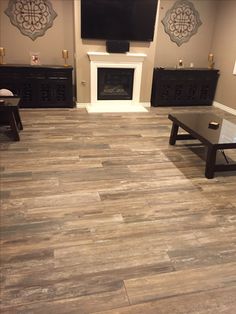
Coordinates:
100 215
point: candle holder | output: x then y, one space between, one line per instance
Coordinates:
211 61
2 54
65 56
180 64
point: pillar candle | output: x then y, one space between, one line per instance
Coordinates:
2 51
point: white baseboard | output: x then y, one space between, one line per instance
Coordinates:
119 107
81 104
225 108
84 105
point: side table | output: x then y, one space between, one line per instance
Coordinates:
9 115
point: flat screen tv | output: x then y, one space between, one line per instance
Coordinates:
130 20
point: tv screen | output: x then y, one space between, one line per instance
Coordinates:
132 20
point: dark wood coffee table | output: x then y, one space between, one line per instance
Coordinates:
197 127
9 115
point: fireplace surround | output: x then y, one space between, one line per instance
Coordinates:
116 65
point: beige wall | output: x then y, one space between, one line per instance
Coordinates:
224 49
59 36
196 50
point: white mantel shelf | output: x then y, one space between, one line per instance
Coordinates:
116 57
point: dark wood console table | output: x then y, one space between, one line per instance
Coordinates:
38 86
183 87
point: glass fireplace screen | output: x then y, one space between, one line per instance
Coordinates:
115 83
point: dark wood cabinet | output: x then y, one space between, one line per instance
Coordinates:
183 87
39 86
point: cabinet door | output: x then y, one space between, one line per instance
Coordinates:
28 86
54 93
26 93
60 82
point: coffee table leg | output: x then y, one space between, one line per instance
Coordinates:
173 134
14 127
210 162
18 119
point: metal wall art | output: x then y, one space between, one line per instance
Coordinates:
181 22
32 17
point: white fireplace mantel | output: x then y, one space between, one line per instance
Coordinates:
115 60
116 57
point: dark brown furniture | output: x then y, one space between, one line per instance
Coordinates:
183 87
9 115
39 86
197 125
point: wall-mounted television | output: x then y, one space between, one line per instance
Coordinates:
131 20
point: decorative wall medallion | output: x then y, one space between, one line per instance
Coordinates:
32 17
181 22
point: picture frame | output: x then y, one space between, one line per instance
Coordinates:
35 58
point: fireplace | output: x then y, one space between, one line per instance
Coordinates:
115 83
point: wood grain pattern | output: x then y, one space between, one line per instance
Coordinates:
220 301
100 215
180 282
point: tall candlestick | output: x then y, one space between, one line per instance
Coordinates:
2 54
2 51
65 56
210 61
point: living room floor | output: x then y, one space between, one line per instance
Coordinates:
99 214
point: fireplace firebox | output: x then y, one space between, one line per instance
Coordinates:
115 83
